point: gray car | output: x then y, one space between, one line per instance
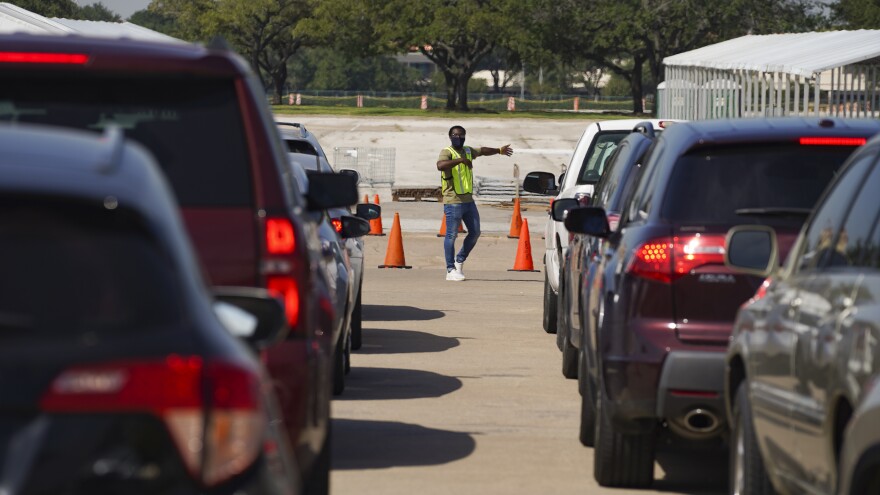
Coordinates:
800 383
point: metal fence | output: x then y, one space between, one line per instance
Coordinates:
486 101
376 165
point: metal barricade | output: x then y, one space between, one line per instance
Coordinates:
376 165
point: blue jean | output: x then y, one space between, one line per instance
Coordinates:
455 214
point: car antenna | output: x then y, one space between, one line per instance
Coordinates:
114 140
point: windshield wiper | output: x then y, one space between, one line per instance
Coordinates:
773 211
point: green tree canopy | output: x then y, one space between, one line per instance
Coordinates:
67 9
857 14
98 12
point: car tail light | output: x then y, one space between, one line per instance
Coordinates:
583 199
337 224
43 58
280 237
668 258
212 410
762 290
832 141
285 287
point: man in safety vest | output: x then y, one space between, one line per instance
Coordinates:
457 182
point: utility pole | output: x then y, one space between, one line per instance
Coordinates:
522 87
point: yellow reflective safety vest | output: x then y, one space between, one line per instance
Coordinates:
462 175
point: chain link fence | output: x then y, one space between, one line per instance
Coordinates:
376 165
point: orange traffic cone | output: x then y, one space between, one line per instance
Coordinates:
394 254
523 261
442 232
376 224
515 222
366 199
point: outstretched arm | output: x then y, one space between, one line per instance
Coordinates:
504 150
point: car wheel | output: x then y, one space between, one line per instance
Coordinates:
619 459
356 341
747 473
569 359
587 432
318 482
339 367
549 305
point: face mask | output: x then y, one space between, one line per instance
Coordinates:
457 141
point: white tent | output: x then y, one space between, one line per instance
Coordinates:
828 73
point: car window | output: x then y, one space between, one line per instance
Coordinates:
819 244
300 146
854 238
600 150
641 203
611 177
750 184
193 126
72 269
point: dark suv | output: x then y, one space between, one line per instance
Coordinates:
667 301
202 113
805 346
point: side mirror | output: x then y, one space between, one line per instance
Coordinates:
252 314
540 183
751 249
561 207
590 220
368 211
351 173
353 227
330 190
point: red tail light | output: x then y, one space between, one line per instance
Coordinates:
280 237
666 259
212 410
287 288
583 199
762 290
337 224
832 141
43 58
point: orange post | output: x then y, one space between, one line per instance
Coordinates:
523 261
515 221
366 199
442 232
376 224
394 254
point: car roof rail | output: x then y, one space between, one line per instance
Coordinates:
302 129
646 128
114 140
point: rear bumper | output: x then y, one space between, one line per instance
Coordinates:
691 393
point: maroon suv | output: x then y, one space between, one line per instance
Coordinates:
667 302
202 113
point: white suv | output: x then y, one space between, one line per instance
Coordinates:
593 149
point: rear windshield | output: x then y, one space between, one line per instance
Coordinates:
600 150
72 270
299 146
754 184
192 125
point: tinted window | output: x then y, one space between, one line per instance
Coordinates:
819 245
601 149
298 146
72 269
750 184
192 126
613 170
855 238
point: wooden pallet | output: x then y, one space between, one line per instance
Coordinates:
416 194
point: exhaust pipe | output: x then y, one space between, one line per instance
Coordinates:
701 421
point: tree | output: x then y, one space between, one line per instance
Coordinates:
98 12
155 21
67 9
857 14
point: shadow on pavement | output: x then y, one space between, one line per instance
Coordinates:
383 444
693 472
377 341
373 312
395 383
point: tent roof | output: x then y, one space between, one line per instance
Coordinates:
802 54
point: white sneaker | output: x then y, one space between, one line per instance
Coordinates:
458 268
454 276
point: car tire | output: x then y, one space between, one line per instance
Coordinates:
620 459
318 482
747 473
356 321
348 355
569 359
339 367
549 305
587 433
